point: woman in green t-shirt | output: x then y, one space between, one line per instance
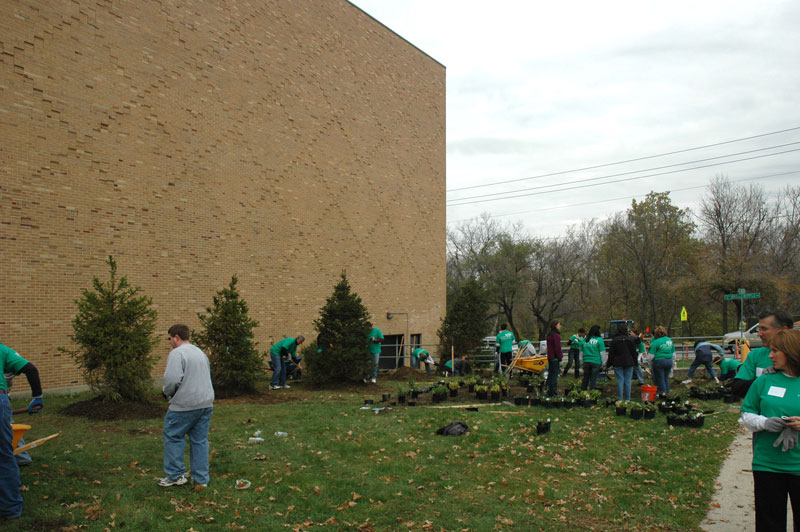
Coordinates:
770 410
592 349
662 350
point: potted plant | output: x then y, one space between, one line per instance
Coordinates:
594 397
519 399
636 411
524 379
543 427
621 409
439 393
695 418
453 386
649 410
481 391
471 383
413 391
495 392
401 394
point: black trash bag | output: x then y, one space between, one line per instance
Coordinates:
456 428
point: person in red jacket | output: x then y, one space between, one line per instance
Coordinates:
554 356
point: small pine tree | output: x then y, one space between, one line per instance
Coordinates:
227 338
342 339
114 334
465 325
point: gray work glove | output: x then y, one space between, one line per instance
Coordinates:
769 370
774 424
787 437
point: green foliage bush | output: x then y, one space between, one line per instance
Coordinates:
465 325
343 348
113 330
227 338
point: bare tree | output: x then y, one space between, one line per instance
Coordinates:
733 221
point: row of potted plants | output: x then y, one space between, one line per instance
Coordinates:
634 410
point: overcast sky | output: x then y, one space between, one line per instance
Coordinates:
537 88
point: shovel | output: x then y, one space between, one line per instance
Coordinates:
31 445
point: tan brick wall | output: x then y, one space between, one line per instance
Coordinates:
281 141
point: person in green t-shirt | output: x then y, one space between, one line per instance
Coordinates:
769 323
662 350
574 353
10 496
418 355
770 411
504 344
592 348
375 338
728 367
279 355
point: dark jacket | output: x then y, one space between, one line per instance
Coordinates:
622 351
554 346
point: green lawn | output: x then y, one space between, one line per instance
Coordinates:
344 468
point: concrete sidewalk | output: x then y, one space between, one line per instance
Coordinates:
733 507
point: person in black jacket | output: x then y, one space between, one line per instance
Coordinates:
622 354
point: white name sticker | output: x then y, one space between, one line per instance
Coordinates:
776 391
759 372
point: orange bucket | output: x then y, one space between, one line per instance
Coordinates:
649 393
19 430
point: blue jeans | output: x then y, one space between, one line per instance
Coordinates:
661 369
552 377
376 358
638 373
177 425
10 497
278 370
573 356
590 373
415 365
623 375
696 364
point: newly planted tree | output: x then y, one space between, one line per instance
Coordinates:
227 338
113 331
342 353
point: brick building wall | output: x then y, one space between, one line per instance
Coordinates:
280 141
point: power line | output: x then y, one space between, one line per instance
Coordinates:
626 161
586 180
622 198
624 180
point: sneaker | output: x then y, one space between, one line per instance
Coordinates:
284 386
166 481
687 381
373 381
271 387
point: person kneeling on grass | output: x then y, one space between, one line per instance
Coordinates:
770 411
728 367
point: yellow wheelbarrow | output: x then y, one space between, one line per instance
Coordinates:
535 364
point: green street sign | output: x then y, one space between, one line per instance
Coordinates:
751 295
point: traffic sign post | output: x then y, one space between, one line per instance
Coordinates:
741 295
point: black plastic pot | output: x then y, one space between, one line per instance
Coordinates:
542 427
636 413
412 403
696 423
480 395
385 397
495 396
471 388
621 410
454 393
730 398
401 399
414 394
529 388
649 414
368 401
518 401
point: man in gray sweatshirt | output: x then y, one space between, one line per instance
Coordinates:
187 386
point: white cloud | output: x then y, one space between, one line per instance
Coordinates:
541 87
